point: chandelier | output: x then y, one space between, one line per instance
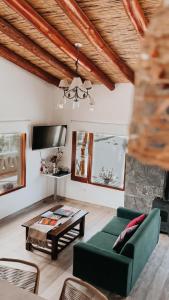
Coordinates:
76 91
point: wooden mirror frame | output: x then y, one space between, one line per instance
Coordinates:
23 165
73 163
88 177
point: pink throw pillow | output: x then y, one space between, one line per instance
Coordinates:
136 221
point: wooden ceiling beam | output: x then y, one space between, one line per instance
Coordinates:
25 9
26 65
136 15
80 19
34 48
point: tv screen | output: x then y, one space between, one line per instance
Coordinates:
48 136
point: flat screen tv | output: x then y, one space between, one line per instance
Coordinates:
48 136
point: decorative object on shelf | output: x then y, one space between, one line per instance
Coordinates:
55 169
62 171
106 175
51 164
65 169
76 91
149 129
55 159
43 167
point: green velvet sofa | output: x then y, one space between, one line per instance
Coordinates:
97 263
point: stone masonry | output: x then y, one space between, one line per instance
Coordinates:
142 184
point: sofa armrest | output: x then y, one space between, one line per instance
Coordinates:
125 213
102 268
141 244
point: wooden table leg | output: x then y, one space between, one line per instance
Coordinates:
28 245
82 226
54 253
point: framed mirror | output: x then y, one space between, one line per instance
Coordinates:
80 155
98 159
12 162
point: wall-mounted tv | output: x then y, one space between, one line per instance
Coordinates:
48 136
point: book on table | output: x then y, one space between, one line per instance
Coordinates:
58 217
50 215
47 221
49 218
66 211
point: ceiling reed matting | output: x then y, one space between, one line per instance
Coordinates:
110 20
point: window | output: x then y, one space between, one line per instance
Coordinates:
98 159
12 162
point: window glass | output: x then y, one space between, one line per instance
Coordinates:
108 163
12 164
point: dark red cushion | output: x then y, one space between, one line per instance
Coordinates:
136 221
123 238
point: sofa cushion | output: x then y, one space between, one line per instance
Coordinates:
116 226
103 240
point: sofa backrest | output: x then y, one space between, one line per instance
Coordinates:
142 243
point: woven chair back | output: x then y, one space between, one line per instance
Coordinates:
76 289
16 272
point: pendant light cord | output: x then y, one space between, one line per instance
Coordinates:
77 60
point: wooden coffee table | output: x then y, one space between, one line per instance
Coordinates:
61 236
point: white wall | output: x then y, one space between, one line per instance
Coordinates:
113 107
26 98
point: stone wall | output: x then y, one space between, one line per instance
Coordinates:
142 184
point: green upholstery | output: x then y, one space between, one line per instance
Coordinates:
137 247
99 267
127 213
103 240
116 226
97 263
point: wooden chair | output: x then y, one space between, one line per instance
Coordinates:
76 289
20 276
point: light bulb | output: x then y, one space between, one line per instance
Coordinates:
76 104
91 107
60 104
91 104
